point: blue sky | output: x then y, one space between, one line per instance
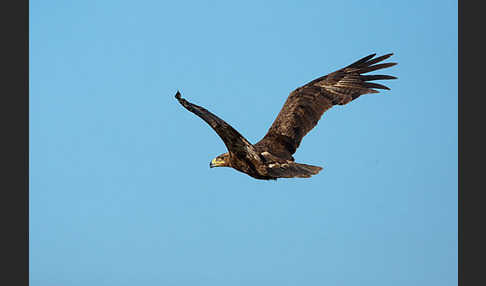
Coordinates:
120 188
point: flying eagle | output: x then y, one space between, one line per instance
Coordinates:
271 157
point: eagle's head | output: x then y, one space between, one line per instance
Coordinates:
222 160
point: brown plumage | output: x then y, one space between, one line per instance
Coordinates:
271 157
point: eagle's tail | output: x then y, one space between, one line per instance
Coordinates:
292 170
305 171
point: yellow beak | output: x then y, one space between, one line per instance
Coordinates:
216 163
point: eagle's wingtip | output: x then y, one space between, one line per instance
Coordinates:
178 95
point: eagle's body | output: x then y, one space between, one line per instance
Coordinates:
271 157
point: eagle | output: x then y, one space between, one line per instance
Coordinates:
271 157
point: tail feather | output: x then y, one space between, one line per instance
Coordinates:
292 170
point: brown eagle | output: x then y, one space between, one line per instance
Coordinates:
271 157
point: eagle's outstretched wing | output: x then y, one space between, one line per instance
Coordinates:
234 141
305 105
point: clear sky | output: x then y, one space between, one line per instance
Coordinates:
120 188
